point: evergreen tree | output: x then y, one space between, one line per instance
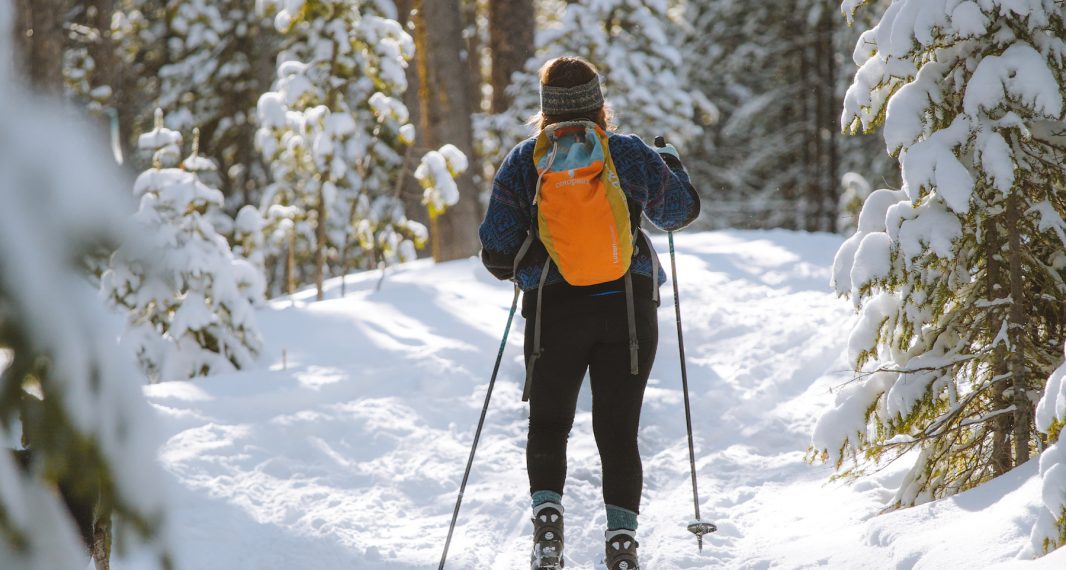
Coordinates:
88 423
960 275
211 82
189 302
335 131
248 237
774 159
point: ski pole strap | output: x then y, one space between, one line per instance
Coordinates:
536 333
631 317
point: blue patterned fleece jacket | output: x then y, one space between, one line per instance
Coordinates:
660 188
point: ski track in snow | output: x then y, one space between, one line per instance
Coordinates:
351 456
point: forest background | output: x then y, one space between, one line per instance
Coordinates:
278 144
751 94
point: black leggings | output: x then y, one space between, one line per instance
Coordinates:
591 334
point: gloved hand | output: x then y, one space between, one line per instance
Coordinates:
668 149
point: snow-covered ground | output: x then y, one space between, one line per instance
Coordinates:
346 448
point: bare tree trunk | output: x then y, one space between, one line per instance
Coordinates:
40 39
1016 332
471 12
290 264
101 547
803 192
511 40
446 106
320 244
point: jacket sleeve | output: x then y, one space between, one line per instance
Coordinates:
672 201
507 220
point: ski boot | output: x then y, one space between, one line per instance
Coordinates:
547 537
621 550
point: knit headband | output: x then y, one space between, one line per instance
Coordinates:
568 100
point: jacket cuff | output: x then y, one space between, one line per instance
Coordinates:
500 265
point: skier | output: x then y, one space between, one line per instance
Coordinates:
563 222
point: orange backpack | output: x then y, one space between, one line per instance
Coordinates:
582 221
582 211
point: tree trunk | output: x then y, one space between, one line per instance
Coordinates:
320 244
446 106
103 49
831 125
1016 333
472 33
290 264
1001 426
40 39
511 27
802 193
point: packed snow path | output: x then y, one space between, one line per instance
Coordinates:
346 448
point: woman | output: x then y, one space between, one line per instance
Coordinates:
576 321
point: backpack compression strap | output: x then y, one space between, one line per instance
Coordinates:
631 318
537 348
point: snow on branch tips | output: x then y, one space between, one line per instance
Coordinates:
959 274
437 174
1049 532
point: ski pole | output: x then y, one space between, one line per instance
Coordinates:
696 527
477 434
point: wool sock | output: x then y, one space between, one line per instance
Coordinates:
619 518
541 497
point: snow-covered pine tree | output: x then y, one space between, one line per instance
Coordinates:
189 301
57 349
335 131
211 81
959 275
1049 532
248 236
634 45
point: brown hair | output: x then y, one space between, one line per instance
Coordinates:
570 72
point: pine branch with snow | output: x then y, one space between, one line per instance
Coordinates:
57 349
437 173
1049 532
958 276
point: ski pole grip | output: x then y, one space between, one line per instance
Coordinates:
660 141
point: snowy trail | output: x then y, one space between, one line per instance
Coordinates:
351 456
